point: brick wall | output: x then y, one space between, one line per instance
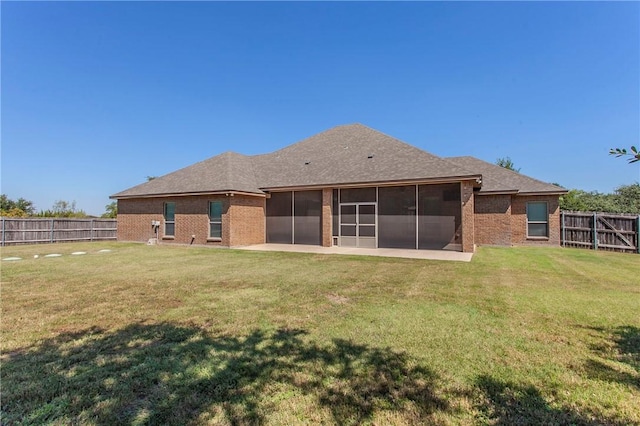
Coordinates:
327 218
247 220
519 220
502 220
468 233
135 216
242 220
493 219
486 219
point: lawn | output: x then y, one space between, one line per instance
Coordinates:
187 335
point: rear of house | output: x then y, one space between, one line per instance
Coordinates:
348 186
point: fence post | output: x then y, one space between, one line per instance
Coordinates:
91 231
595 231
562 227
52 224
3 231
638 234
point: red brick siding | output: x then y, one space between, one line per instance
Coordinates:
242 219
519 220
486 219
135 216
468 233
327 219
247 223
493 219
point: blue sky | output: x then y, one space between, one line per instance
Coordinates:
98 95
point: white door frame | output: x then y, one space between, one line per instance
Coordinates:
357 224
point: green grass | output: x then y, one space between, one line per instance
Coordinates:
188 335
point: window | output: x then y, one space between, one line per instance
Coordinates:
537 220
215 219
169 219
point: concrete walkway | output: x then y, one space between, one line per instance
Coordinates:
408 254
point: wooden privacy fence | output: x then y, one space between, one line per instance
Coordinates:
601 231
52 230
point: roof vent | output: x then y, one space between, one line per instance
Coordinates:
370 156
307 163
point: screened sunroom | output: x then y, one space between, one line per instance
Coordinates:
406 217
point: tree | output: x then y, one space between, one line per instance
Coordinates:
111 210
622 152
62 208
13 212
574 201
624 199
26 206
629 197
19 208
507 164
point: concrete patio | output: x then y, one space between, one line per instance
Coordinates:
384 252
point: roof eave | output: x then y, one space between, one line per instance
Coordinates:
187 194
558 192
452 179
498 192
521 193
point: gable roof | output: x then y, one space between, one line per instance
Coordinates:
496 179
344 155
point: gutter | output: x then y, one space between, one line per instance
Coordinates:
455 179
521 194
187 194
561 192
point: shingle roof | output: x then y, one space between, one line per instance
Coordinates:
343 155
350 154
498 179
225 172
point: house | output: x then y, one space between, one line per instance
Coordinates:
348 186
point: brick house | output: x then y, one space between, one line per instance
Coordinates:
348 186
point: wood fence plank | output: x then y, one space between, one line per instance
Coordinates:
37 230
601 231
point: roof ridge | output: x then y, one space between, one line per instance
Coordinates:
232 173
399 140
227 164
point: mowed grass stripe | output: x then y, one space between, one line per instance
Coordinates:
192 335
